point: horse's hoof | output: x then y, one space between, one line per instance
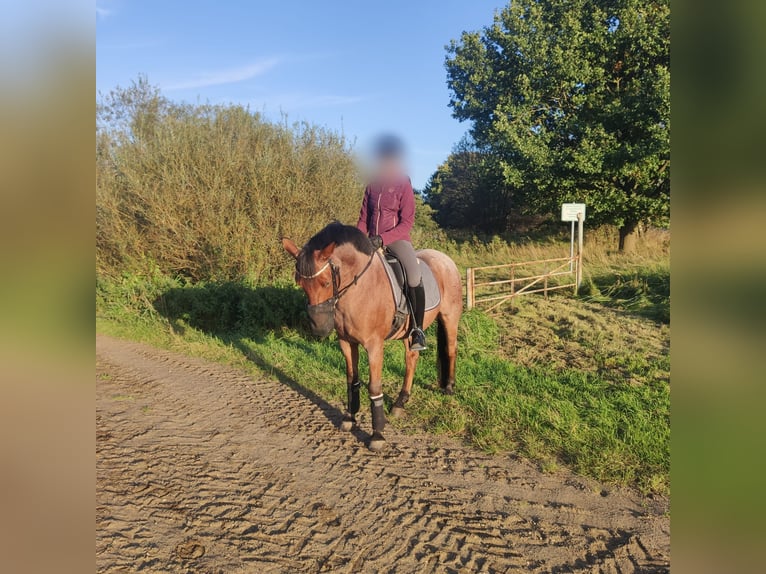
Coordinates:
448 390
377 443
397 412
347 424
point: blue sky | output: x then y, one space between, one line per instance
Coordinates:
361 67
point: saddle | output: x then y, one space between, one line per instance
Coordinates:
398 280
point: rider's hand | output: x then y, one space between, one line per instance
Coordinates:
377 241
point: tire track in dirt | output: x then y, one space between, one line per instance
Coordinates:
200 468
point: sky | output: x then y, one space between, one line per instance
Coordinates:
356 67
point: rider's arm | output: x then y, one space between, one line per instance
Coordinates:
363 213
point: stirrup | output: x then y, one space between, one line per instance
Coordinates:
417 340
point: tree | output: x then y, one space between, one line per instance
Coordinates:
573 98
466 192
131 112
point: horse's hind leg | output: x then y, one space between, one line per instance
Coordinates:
410 362
351 354
447 350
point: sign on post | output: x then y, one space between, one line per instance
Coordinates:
569 211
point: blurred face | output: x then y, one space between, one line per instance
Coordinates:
385 157
389 166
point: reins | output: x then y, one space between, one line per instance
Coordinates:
339 293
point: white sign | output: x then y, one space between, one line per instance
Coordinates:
569 211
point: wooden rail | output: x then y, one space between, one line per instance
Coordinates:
520 283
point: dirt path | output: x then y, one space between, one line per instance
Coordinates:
202 469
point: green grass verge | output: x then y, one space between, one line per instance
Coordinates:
609 421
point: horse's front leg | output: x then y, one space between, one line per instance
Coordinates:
375 356
351 354
410 361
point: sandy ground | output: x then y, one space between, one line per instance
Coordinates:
201 468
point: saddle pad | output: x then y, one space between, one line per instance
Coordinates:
433 296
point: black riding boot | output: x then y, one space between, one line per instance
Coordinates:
417 296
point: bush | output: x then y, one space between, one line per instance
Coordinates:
205 192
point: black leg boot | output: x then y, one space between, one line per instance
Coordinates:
377 442
417 297
353 397
349 419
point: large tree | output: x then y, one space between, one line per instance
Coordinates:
573 98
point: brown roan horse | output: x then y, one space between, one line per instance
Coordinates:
348 289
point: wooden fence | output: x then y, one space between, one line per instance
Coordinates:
501 283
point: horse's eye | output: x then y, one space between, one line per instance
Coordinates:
325 283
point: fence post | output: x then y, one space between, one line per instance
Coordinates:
579 249
576 272
571 250
469 288
513 284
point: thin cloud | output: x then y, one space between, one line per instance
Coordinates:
230 76
300 101
102 12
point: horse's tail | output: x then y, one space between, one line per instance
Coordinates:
441 346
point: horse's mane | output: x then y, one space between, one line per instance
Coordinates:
336 233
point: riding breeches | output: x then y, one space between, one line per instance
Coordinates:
406 254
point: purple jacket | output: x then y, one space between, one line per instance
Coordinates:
388 210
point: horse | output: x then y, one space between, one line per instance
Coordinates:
348 290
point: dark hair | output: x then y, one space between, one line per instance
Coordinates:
389 146
336 233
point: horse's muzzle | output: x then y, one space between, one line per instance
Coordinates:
322 317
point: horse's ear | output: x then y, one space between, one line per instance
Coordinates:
290 247
325 253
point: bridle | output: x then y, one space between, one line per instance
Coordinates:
337 290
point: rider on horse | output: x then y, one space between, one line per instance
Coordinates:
387 215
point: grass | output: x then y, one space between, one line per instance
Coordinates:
576 382
644 290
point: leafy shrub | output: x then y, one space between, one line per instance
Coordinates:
205 192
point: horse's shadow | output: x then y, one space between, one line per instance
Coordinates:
332 413
234 313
